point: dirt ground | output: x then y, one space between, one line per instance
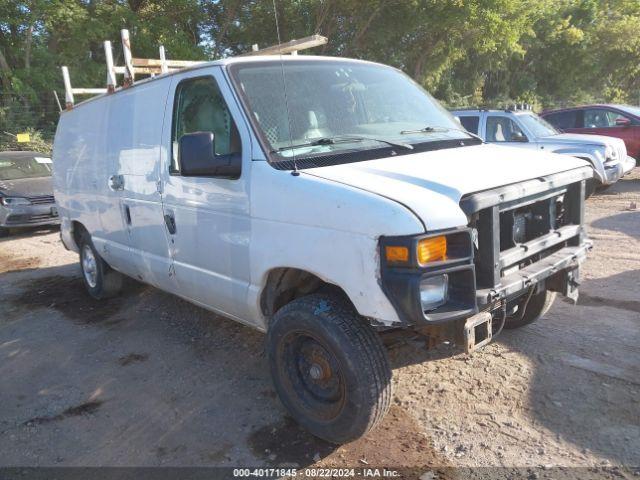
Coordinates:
147 379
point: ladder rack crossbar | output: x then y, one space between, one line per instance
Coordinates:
152 66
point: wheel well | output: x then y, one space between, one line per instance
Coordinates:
286 284
78 230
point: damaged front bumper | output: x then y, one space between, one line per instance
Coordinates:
562 267
520 237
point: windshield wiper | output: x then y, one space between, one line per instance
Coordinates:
430 129
343 139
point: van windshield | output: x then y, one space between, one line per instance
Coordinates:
24 167
335 106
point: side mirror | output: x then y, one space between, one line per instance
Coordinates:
198 159
622 122
519 137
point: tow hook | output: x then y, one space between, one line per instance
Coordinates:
477 331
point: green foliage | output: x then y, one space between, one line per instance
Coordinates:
37 142
466 52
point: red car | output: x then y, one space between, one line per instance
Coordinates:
622 121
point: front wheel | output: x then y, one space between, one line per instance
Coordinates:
99 278
329 368
537 306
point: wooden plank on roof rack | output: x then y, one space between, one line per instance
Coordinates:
291 46
89 91
153 62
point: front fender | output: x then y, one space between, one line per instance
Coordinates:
595 159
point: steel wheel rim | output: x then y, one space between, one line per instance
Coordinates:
313 376
89 266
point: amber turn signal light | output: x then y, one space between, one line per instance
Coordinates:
432 249
396 254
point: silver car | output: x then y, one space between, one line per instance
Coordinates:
26 191
523 128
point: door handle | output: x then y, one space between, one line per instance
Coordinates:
116 182
170 221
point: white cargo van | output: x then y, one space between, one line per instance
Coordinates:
323 201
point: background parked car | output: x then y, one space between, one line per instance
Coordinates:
523 128
622 121
26 191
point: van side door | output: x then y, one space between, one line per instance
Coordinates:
207 218
135 156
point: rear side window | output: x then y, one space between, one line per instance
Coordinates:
563 120
200 107
470 124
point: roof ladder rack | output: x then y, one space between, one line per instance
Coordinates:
152 66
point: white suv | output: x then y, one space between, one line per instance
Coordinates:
524 129
323 201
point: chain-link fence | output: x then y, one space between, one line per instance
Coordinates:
37 117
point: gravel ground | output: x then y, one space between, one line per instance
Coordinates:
147 379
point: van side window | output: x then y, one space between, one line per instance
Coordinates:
200 107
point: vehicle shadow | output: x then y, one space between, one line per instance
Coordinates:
624 222
149 379
586 365
25 232
630 183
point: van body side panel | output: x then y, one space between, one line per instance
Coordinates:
134 153
210 247
79 169
326 228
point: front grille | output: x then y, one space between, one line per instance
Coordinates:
40 200
521 225
521 231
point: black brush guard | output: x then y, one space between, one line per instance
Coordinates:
506 270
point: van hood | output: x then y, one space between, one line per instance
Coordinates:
431 184
26 187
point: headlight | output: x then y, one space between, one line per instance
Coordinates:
610 153
434 291
10 201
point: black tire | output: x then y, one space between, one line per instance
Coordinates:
590 187
4 232
603 188
106 281
329 367
538 306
